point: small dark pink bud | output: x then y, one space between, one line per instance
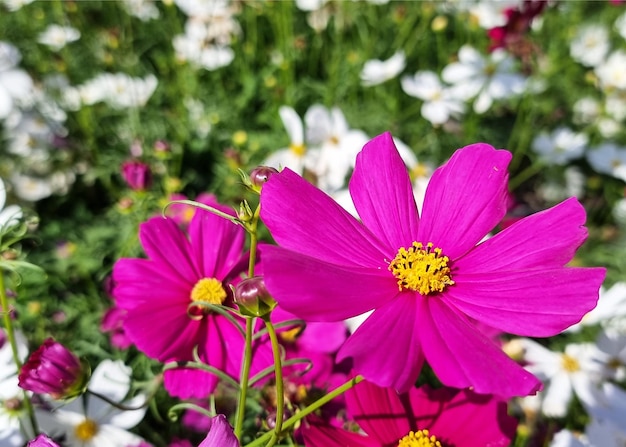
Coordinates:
261 174
137 175
53 369
42 441
252 297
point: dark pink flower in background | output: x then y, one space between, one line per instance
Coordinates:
113 323
182 214
137 175
436 417
427 277
53 369
165 299
519 20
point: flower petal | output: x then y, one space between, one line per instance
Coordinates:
545 239
318 434
221 434
379 412
319 291
385 349
465 199
383 194
165 243
302 218
462 357
538 303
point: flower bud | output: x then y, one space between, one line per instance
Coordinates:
53 369
260 175
252 297
137 175
42 441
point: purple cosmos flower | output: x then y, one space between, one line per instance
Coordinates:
220 434
42 441
53 369
424 417
137 175
165 298
427 276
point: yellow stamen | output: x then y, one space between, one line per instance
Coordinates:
423 270
420 438
570 364
298 149
208 290
86 430
290 335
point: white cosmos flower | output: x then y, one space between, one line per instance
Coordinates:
591 45
560 146
10 215
12 414
14 5
578 370
586 110
15 85
607 158
376 72
612 73
144 10
620 25
30 188
101 425
440 102
57 36
491 14
292 156
613 343
485 78
611 305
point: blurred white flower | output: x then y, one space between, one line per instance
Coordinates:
16 85
620 25
491 14
100 424
591 45
335 146
376 72
12 412
144 10
14 5
10 215
578 370
293 156
612 73
566 438
615 105
608 127
586 110
607 158
487 79
612 342
31 188
611 305
619 211
440 102
574 186
119 90
560 146
57 36
310 5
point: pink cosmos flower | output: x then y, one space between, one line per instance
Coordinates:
164 297
137 175
426 276
42 441
425 417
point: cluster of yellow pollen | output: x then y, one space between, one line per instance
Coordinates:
208 290
420 438
86 430
570 364
422 269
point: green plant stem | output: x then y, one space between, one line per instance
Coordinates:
8 325
247 355
278 372
308 410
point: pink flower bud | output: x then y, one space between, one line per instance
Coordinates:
53 369
137 175
42 441
252 297
261 174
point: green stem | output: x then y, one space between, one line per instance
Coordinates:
278 371
8 325
247 355
308 410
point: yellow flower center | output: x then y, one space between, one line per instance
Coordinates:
298 149
570 364
208 290
423 270
86 430
420 438
290 335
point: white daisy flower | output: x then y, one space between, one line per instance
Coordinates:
10 215
607 158
16 86
57 36
12 414
376 72
591 45
612 73
440 102
560 146
101 424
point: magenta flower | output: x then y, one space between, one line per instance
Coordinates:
431 417
220 434
137 175
165 299
113 323
53 369
42 441
427 276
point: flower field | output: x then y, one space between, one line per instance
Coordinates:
320 223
